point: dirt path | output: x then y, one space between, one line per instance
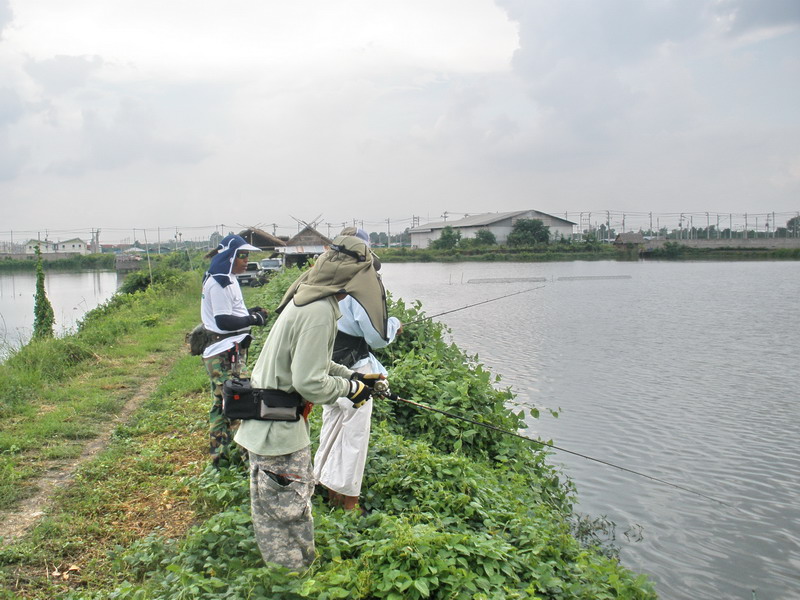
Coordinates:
15 523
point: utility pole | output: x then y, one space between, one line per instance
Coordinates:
444 216
388 233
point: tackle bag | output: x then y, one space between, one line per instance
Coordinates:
201 338
241 401
198 339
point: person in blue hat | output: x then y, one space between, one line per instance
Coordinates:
228 320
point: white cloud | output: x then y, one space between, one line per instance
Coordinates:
396 108
62 73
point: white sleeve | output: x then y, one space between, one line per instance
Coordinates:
369 333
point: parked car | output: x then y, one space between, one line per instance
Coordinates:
250 274
270 264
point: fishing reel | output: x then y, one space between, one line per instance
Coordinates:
381 388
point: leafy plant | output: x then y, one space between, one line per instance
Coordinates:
528 232
43 316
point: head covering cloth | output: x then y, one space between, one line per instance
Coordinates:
346 267
222 263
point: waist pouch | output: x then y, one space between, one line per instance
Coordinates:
241 401
349 349
201 338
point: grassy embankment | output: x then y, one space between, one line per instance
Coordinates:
456 511
75 263
537 253
678 251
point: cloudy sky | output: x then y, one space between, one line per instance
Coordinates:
144 114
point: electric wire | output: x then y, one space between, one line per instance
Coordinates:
447 312
392 396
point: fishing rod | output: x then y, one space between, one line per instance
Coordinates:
381 388
471 305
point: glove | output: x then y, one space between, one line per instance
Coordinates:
359 393
259 318
368 379
255 309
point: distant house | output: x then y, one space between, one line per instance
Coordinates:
306 244
46 246
73 246
500 224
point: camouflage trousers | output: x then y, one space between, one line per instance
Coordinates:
222 367
280 500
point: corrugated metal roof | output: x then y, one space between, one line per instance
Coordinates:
479 220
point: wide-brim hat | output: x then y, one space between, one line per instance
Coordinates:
346 267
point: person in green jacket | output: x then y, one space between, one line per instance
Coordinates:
296 362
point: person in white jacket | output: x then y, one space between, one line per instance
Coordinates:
344 437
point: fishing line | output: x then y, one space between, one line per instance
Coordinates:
447 312
382 389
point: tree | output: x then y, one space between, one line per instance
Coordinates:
447 240
528 232
485 237
43 316
793 226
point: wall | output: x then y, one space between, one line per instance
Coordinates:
770 243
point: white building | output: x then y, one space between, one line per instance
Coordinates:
45 246
500 224
75 245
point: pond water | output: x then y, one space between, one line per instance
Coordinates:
686 372
71 294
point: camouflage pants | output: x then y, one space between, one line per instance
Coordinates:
280 499
222 367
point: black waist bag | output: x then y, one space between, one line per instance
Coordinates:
349 349
241 401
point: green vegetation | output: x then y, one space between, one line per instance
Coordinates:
529 232
43 316
57 392
467 250
448 239
678 251
74 263
455 511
